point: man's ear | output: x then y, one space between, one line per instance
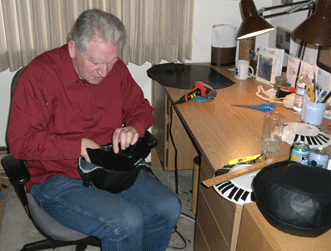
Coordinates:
72 48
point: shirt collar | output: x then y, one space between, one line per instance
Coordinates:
69 73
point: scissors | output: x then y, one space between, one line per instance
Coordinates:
266 108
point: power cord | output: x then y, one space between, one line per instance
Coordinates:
176 178
183 239
175 148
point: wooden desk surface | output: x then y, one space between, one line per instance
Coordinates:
223 132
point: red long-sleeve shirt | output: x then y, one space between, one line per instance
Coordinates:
53 109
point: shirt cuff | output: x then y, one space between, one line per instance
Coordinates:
139 127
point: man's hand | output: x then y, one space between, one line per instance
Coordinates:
87 143
125 136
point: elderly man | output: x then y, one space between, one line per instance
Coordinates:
76 97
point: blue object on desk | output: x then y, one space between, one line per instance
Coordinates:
266 108
200 99
1 196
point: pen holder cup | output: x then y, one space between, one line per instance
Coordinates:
312 113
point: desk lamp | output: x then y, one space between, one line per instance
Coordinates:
316 29
253 24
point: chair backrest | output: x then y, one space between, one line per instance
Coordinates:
15 79
15 169
56 233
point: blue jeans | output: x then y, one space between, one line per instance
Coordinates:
139 218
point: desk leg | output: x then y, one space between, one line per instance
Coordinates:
196 167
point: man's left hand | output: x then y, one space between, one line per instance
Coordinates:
124 137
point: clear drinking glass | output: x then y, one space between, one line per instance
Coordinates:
272 132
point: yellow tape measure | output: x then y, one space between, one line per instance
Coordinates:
244 159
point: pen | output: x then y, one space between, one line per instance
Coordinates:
326 97
316 88
311 94
320 96
316 95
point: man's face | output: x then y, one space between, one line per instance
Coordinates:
94 64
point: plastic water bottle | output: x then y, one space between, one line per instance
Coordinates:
299 93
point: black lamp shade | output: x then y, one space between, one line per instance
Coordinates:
316 29
252 24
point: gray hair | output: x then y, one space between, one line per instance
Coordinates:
97 22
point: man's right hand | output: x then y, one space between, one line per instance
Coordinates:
87 143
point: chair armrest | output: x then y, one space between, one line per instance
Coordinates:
152 141
16 170
18 175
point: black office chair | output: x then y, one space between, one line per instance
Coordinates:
57 235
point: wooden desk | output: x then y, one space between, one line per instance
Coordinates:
257 234
222 132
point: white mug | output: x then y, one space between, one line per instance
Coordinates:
242 70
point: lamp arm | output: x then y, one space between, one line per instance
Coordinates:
298 7
284 13
294 7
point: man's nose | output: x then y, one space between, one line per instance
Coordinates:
103 70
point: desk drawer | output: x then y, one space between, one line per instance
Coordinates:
224 214
200 243
186 150
210 229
